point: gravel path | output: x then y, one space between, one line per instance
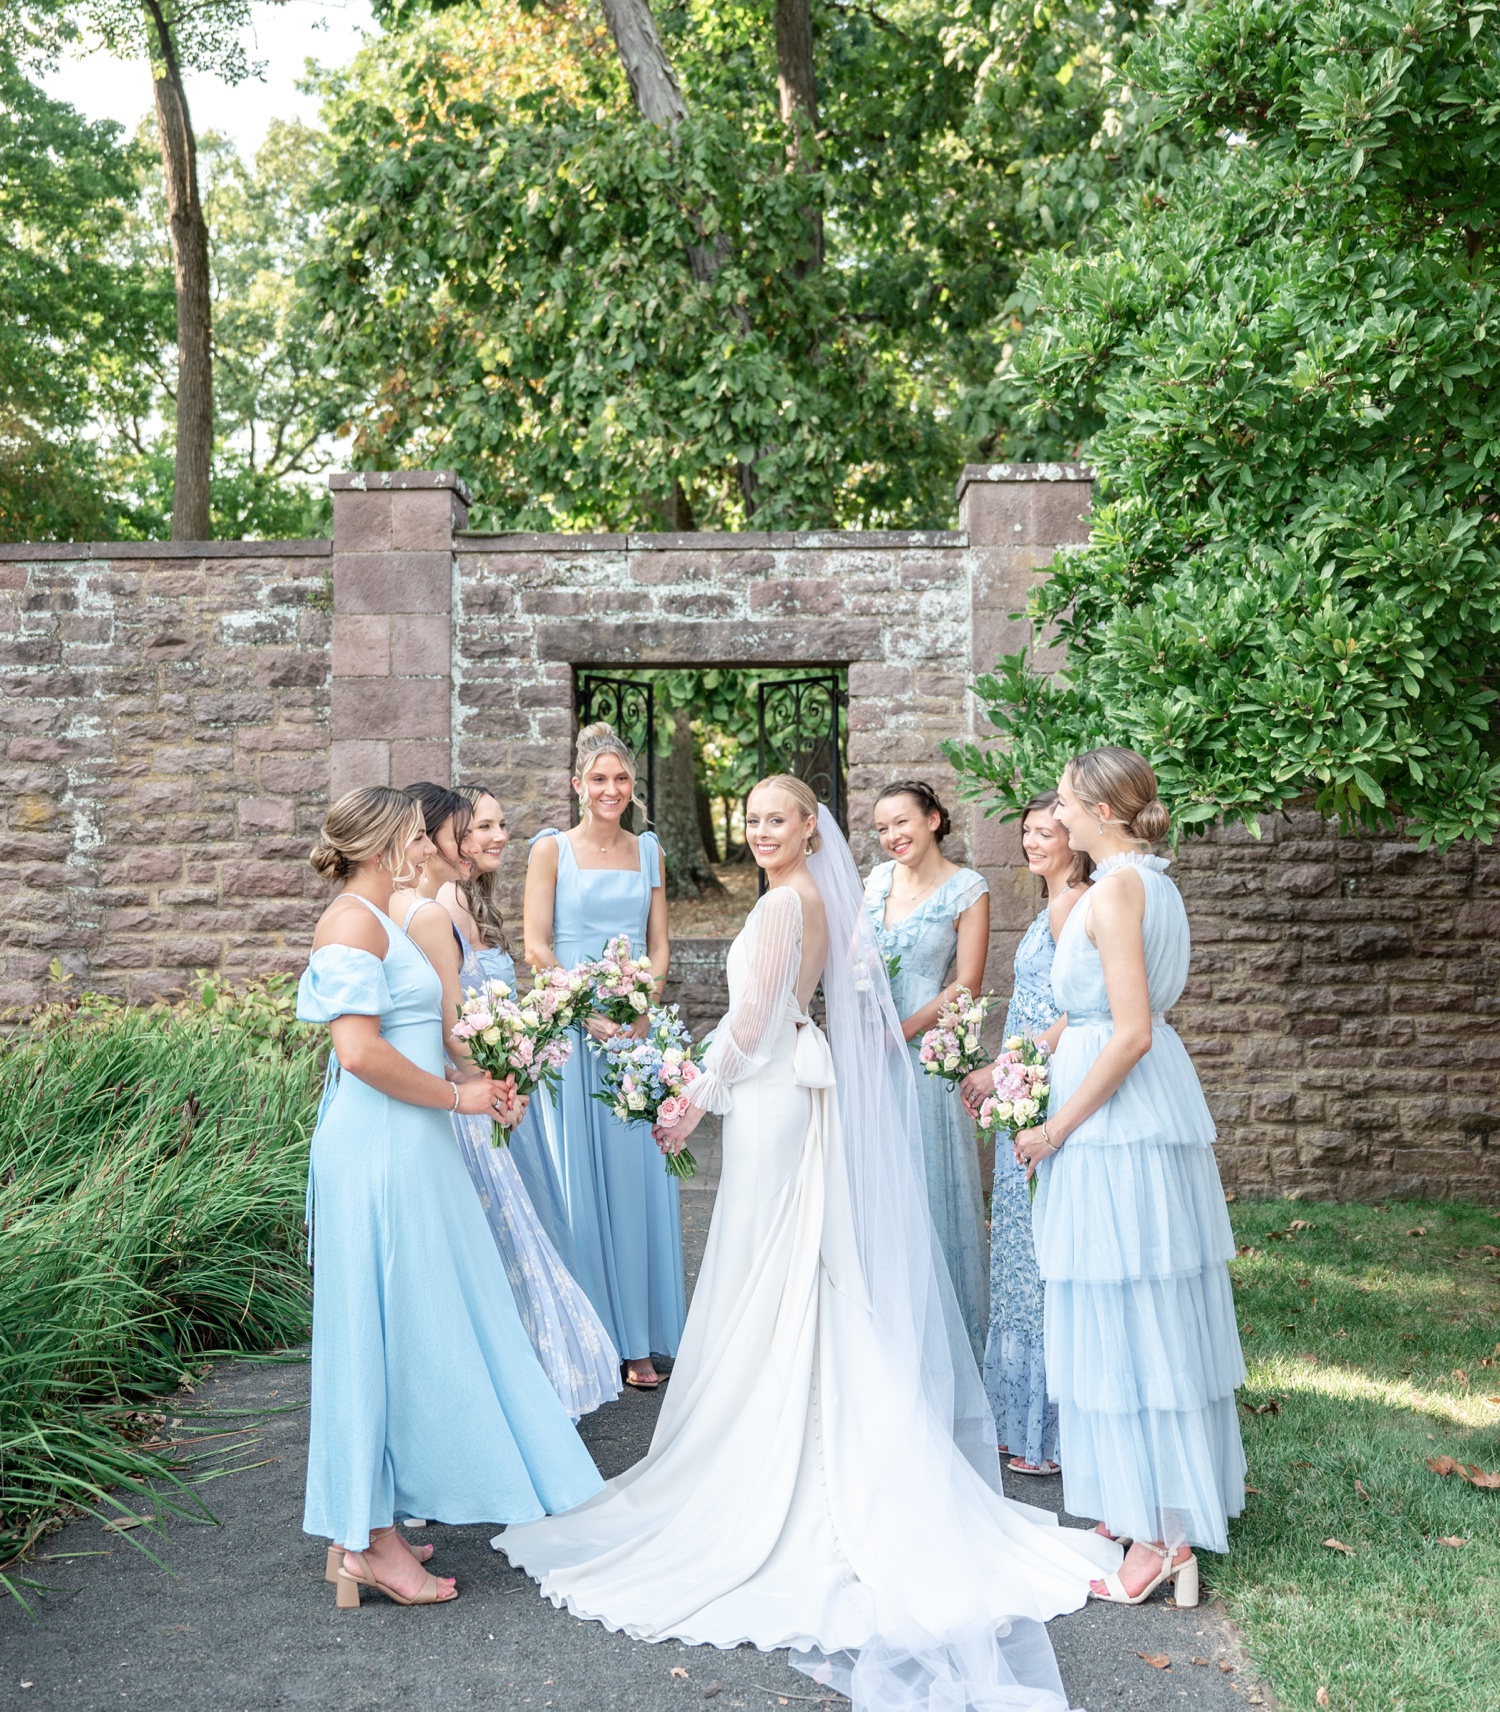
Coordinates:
239 1619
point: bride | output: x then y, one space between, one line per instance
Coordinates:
823 1474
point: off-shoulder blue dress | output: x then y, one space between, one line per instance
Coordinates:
1015 1368
427 1397
622 1203
1133 1241
926 942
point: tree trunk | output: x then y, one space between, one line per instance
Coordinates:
798 89
195 374
689 871
658 97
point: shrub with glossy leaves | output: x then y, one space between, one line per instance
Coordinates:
1285 367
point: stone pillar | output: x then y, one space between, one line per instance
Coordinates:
392 689
1016 516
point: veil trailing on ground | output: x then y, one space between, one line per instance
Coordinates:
958 1660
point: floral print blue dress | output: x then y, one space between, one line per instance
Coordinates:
1015 1373
926 941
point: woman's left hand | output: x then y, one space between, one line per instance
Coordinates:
1031 1148
601 1029
639 1027
674 1136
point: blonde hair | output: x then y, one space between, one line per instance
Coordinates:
598 739
1127 783
802 794
483 890
372 825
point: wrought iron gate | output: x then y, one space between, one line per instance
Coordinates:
800 730
629 704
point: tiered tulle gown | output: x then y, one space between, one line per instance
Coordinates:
567 1335
926 941
1133 1240
427 1398
1015 1368
622 1202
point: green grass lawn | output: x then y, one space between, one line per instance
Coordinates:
1372 1337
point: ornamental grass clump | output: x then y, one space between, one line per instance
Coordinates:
153 1166
1284 366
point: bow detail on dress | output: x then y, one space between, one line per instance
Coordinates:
812 1060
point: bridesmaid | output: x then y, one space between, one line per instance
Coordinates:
472 900
935 916
426 1397
584 887
1132 1237
565 1332
1015 1374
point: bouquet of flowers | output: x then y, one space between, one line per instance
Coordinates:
951 1048
646 1081
1022 1087
525 1038
623 986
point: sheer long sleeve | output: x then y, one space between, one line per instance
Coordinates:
773 959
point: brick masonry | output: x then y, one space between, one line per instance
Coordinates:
174 715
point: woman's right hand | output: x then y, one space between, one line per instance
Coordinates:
477 1096
601 1029
976 1088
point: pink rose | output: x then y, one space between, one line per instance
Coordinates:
689 1072
671 1111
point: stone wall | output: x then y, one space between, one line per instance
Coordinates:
165 720
174 716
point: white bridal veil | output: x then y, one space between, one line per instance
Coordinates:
941 1434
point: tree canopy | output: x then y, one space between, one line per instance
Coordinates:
506 260
1286 364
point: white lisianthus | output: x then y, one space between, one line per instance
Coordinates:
1014 1044
638 1001
974 1017
637 1102
971 1043
491 1037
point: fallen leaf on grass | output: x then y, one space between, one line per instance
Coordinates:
1271 1406
1417 1230
1359 1487
1256 1490
1487 1480
1339 1546
1489 1251
1452 1540
1321 1697
1301 1224
1308 1356
1157 1661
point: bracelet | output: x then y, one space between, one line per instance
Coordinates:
455 1096
1052 1146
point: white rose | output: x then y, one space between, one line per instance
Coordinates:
971 1043
638 1001
637 1102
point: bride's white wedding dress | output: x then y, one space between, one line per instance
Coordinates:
805 1487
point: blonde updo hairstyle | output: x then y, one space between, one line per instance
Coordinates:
1127 783
376 824
598 739
802 794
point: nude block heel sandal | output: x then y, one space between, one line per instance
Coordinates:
335 1561
1184 1575
349 1585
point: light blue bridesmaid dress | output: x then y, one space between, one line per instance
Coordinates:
427 1398
926 941
621 1200
1015 1372
1133 1240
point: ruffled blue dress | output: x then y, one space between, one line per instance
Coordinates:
1133 1240
926 942
1015 1368
427 1398
567 1335
621 1200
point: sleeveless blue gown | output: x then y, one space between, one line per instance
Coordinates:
622 1203
1133 1240
926 941
1015 1369
427 1398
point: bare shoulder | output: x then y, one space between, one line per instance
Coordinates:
544 854
1118 904
347 921
1061 908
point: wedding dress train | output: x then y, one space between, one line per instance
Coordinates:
806 1486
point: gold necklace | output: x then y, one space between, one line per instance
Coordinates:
915 897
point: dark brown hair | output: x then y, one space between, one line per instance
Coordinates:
439 805
1083 864
926 799
483 890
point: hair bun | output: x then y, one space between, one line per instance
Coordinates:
327 862
1151 823
926 800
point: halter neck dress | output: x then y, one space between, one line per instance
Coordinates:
622 1204
427 1399
1015 1370
926 941
1133 1241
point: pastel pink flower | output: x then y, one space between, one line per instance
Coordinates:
670 1112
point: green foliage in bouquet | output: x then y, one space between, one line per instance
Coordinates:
152 1172
1285 367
